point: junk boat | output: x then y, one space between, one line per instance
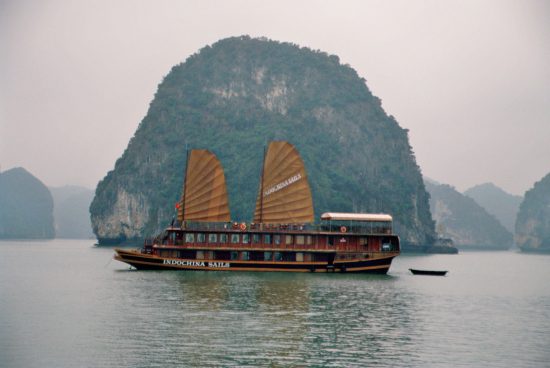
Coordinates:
282 236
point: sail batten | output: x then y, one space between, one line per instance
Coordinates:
284 195
204 195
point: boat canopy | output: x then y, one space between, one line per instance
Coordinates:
338 216
284 195
204 197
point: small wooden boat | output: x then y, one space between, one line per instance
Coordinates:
427 272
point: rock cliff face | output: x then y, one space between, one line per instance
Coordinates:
26 206
461 219
128 216
234 97
533 222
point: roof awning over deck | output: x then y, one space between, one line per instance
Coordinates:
336 216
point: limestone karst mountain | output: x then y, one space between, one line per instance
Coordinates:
235 96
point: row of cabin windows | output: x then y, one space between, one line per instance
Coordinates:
246 256
276 239
247 239
335 240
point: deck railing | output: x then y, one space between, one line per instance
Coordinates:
354 227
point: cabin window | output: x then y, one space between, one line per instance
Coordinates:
256 256
200 254
278 256
222 255
223 238
235 238
268 256
300 239
388 245
309 240
187 254
320 257
212 238
299 257
277 239
288 239
189 238
330 240
255 238
289 256
267 239
363 240
234 255
201 238
179 238
246 238
245 256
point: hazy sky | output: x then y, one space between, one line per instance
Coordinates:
469 79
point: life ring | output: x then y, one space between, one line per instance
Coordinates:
242 226
343 229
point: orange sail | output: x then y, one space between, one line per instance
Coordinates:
284 195
204 196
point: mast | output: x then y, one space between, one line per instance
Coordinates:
262 187
185 184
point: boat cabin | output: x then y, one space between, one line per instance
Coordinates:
337 232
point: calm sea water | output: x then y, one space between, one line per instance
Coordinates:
65 303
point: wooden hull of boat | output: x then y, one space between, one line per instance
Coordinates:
375 265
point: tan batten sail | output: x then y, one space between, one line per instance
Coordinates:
284 195
204 197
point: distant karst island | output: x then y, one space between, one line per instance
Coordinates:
72 212
533 222
26 206
504 206
464 221
30 210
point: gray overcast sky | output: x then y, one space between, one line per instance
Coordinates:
470 79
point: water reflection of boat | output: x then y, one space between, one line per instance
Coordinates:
282 236
428 272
